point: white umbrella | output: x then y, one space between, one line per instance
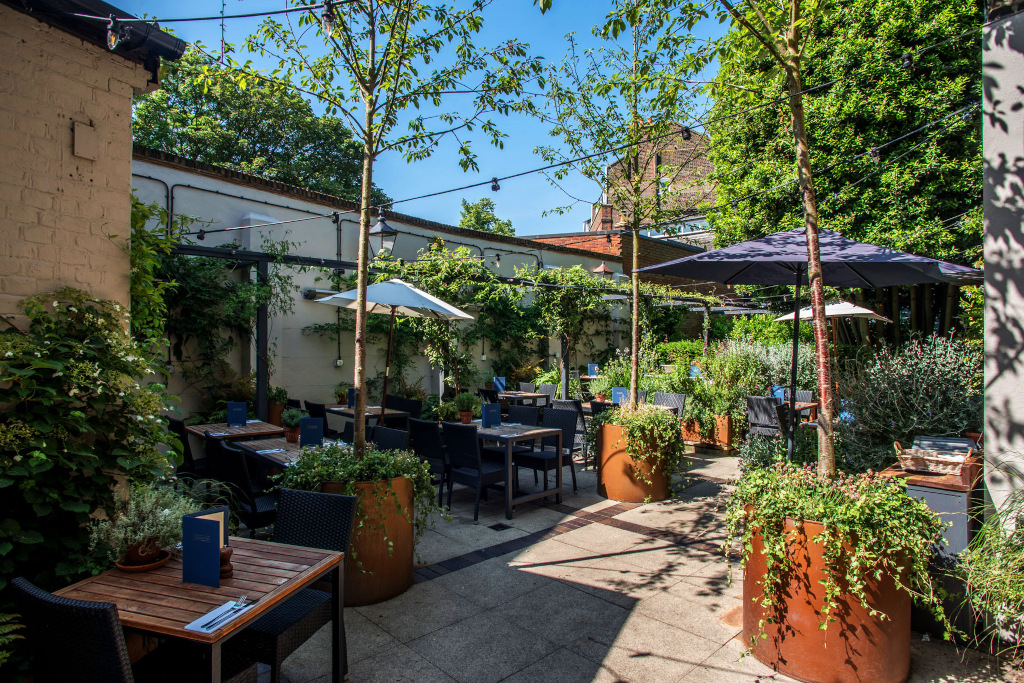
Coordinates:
843 309
395 298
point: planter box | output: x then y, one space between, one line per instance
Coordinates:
721 438
855 648
372 573
274 411
615 470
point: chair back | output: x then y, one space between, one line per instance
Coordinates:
425 438
761 411
677 401
409 405
214 457
549 389
177 427
388 439
802 395
317 410
560 419
348 432
526 415
598 407
488 395
576 405
235 471
72 641
641 396
462 445
314 520
294 403
528 387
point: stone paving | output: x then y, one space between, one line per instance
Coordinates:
590 590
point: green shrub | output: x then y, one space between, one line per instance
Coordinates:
925 387
652 436
74 412
682 352
277 395
762 329
467 402
8 626
151 514
291 417
554 376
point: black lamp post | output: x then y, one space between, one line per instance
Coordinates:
382 236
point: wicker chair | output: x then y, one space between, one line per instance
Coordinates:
762 417
408 405
467 466
253 504
387 439
348 432
548 457
294 403
550 389
313 520
677 401
426 444
488 395
598 407
528 387
580 444
190 466
320 410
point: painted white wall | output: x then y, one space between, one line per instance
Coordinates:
305 365
1003 65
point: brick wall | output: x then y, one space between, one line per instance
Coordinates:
609 244
58 208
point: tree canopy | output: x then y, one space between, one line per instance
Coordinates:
876 98
254 126
480 216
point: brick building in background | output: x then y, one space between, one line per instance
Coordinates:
683 160
66 143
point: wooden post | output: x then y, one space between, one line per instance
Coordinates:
928 326
896 317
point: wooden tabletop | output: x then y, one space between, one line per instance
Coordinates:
805 405
505 432
371 411
283 458
221 430
965 481
159 601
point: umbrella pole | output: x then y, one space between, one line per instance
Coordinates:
792 373
387 368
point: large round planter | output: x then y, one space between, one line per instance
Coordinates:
856 648
372 573
274 412
616 478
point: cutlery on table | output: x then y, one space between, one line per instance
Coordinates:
239 605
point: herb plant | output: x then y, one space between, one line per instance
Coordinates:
151 517
447 411
292 416
871 527
467 403
277 395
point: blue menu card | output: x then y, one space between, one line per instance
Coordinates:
203 534
694 371
311 431
490 415
236 413
592 369
620 395
499 383
351 397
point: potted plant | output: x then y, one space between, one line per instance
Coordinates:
638 451
291 419
396 503
141 526
447 411
276 400
713 414
468 405
600 387
830 563
341 392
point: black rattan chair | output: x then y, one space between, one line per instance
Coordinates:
425 438
598 407
580 444
388 439
320 410
409 405
762 416
467 466
548 457
256 507
677 401
189 467
528 387
550 389
294 403
312 520
488 395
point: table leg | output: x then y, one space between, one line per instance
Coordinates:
339 648
558 470
213 655
508 478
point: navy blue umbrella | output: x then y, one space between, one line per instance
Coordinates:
781 259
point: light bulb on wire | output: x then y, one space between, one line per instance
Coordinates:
328 18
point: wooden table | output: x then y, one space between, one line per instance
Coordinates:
221 430
508 436
160 602
519 396
812 406
283 458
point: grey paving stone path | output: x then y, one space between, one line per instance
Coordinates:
590 590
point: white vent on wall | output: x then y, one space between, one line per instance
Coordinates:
251 218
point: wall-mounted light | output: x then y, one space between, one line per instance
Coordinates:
328 18
117 33
494 185
686 133
382 236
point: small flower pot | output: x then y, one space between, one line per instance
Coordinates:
146 552
600 397
291 434
466 417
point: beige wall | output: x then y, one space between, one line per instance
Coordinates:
1003 58
57 208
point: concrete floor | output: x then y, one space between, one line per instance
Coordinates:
590 591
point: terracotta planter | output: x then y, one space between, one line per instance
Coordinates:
291 434
373 574
615 470
143 553
466 418
722 436
600 397
274 411
855 648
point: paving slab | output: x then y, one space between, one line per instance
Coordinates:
492 582
423 608
399 664
562 666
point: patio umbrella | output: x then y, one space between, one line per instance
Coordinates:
781 259
397 298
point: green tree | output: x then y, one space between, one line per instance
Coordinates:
480 216
202 112
377 62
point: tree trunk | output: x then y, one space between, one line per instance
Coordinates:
915 308
929 311
826 448
362 276
896 317
634 361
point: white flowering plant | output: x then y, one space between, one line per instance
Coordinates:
76 410
150 517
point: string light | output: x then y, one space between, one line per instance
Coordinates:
686 133
328 18
494 185
117 33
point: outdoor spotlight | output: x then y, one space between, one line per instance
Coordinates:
328 18
494 185
117 32
382 235
908 61
735 204
497 260
686 133
201 235
876 155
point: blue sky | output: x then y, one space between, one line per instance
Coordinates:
522 200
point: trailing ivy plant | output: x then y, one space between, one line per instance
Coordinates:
872 527
653 438
74 414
